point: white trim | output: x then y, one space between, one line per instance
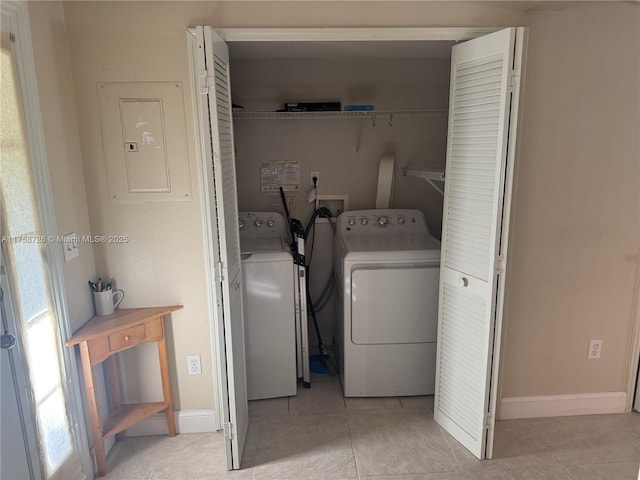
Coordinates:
16 16
187 421
563 405
208 230
633 380
350 34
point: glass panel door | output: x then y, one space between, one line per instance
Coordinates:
23 243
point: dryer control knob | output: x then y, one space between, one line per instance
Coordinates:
382 221
240 224
364 220
401 220
270 223
352 221
258 223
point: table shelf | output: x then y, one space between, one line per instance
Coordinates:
128 415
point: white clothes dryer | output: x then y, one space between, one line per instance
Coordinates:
269 306
388 270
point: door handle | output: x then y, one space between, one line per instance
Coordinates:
463 282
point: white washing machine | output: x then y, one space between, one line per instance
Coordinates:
269 306
388 270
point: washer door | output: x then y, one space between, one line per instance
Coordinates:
394 304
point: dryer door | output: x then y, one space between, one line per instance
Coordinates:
394 304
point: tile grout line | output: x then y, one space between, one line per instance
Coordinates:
255 460
353 452
563 466
464 475
154 465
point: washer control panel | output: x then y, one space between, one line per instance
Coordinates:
261 224
370 222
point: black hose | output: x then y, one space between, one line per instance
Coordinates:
326 213
325 296
323 212
315 320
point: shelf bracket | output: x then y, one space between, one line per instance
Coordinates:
428 175
440 191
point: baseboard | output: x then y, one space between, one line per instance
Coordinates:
563 405
187 421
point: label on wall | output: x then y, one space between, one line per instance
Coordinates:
282 173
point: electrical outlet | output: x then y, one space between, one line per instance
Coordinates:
316 174
193 365
595 347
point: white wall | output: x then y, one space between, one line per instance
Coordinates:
162 263
330 145
574 259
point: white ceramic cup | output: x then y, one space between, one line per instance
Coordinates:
106 302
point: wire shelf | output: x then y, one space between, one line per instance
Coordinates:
340 114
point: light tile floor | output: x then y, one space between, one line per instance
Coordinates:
321 435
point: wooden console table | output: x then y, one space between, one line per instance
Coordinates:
100 339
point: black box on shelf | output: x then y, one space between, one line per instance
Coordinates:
312 107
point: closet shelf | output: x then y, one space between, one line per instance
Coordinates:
320 115
426 173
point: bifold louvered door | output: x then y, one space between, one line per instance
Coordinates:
480 152
215 109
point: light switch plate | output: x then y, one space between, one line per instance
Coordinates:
70 246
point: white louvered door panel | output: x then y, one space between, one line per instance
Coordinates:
216 87
224 157
481 137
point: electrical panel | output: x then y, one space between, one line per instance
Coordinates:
144 141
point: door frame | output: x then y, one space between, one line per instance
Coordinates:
291 35
15 17
633 372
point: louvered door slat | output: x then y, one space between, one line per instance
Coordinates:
225 141
473 75
462 327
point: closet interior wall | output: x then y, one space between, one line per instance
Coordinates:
329 145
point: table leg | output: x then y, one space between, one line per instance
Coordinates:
94 412
166 384
113 379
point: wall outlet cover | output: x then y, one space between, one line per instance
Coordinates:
193 365
595 348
